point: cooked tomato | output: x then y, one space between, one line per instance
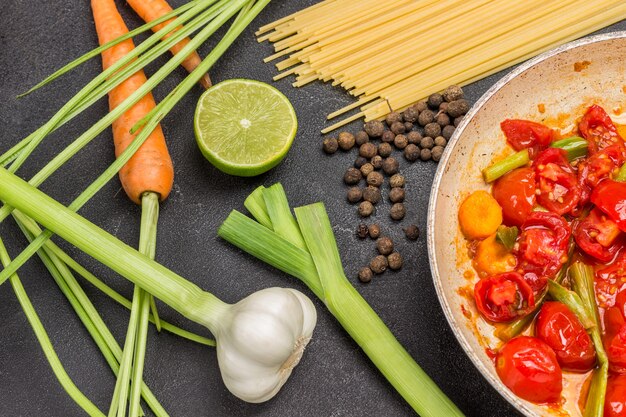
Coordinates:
529 368
598 236
503 297
610 197
559 191
562 331
597 167
543 245
524 134
615 400
597 127
515 192
611 281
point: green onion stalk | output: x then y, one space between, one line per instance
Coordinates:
318 265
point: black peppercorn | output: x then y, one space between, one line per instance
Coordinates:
374 128
458 108
397 180
361 231
411 152
425 154
390 165
421 106
378 265
396 195
384 245
388 136
400 141
427 116
395 261
412 232
393 117
359 162
375 179
361 137
432 129
434 100
411 114
367 150
452 93
330 145
447 131
398 211
365 275
354 195
440 141
442 119
458 120
372 194
408 126
443 107
352 176
377 162
366 169
366 209
414 137
374 231
427 142
436 153
346 141
384 149
397 128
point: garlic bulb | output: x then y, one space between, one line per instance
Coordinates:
261 339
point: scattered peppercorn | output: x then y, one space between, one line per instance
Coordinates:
397 128
377 162
434 100
396 195
384 245
414 137
374 231
442 119
447 131
366 169
359 162
372 194
384 149
374 128
432 129
412 232
362 231
352 176
425 154
440 141
366 209
427 142
398 211
400 141
346 141
361 137
365 275
388 136
458 108
330 145
452 93
375 179
411 152
397 180
411 114
379 264
394 260
408 126
393 117
436 153
443 107
367 150
390 165
421 106
458 120
425 117
355 195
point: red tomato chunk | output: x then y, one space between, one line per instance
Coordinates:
503 297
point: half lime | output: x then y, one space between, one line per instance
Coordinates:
244 127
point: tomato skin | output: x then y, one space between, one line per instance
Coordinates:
562 331
515 192
610 197
598 236
597 167
559 191
543 244
610 283
504 297
529 368
597 127
615 400
524 134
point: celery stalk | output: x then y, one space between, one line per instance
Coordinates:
506 165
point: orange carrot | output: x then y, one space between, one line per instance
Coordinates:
150 169
150 10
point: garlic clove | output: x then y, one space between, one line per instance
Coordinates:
261 339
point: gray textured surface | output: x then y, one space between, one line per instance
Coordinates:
334 378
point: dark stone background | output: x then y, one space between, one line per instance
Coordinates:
335 378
